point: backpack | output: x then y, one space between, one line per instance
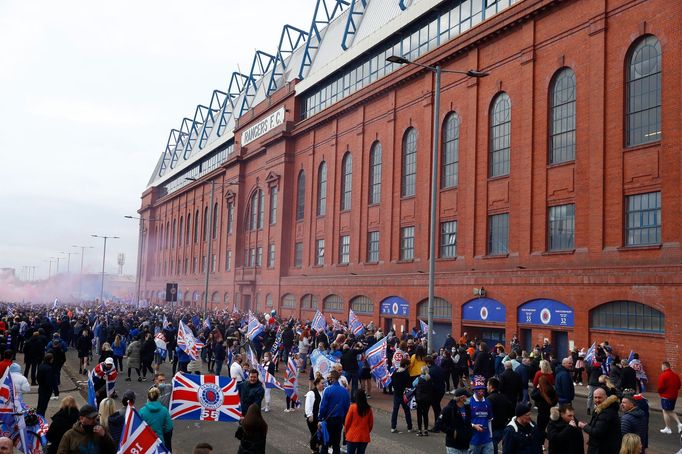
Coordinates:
424 391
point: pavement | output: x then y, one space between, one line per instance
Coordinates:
288 433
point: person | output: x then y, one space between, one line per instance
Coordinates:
565 389
34 352
6 446
502 408
45 383
358 425
424 391
312 408
203 448
634 420
269 367
62 421
252 432
104 379
668 389
520 435
484 364
628 379
481 416
117 420
86 436
400 380
156 415
631 444
84 347
251 390
118 349
333 408
523 370
604 426
19 382
147 355
106 408
455 421
417 362
134 352
544 398
563 433
236 371
438 378
165 388
349 362
510 383
594 371
58 360
219 354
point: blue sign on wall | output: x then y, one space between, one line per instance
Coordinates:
484 310
395 306
545 312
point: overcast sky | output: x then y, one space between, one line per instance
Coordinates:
89 91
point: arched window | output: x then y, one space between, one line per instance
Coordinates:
643 98
346 181
449 163
230 217
288 301
441 309
196 226
408 183
167 240
500 135
375 173
300 196
333 303
256 210
562 117
204 231
226 298
362 305
173 234
322 189
308 301
268 300
181 231
188 228
627 316
216 216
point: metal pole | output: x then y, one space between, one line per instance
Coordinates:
210 243
104 256
139 260
80 280
434 198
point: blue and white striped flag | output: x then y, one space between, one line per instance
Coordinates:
354 324
319 324
589 356
378 365
255 327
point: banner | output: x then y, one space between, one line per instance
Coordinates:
321 363
376 358
138 437
204 398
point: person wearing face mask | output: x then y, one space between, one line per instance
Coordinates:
455 421
87 436
268 366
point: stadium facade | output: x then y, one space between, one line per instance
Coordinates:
558 202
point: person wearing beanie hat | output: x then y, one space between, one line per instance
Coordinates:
521 435
481 417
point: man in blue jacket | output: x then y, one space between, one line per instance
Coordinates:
563 383
333 408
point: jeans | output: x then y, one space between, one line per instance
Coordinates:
397 403
449 450
423 415
486 448
353 376
356 447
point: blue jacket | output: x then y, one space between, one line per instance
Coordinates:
121 349
335 402
564 385
182 356
158 417
635 422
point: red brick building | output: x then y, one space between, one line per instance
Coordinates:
559 185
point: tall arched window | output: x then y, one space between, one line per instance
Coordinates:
216 216
300 196
253 210
500 135
322 189
375 173
346 181
627 316
173 234
196 226
204 231
288 301
562 117
643 111
166 241
230 217
449 163
181 231
408 182
188 232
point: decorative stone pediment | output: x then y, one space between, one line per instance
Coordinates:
230 195
272 180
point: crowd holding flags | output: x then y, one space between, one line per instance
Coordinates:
161 345
266 377
590 355
205 398
187 342
12 421
138 437
354 324
254 327
319 323
378 364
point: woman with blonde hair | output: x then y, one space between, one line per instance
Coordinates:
423 395
119 350
62 421
106 408
631 444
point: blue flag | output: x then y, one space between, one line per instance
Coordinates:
378 365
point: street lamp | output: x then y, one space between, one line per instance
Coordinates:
80 281
57 260
140 241
104 257
68 262
437 71
49 269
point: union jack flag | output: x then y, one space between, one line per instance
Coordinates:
138 437
376 358
6 393
337 325
291 383
354 324
187 342
204 398
100 372
255 327
319 323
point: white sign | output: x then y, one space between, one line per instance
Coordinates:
264 126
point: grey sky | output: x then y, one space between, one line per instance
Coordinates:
88 94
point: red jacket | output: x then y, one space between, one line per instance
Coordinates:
668 384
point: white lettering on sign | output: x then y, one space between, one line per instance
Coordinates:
264 126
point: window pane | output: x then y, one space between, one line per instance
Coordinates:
373 247
448 239
562 121
375 174
346 181
407 243
643 116
498 234
500 135
561 227
450 153
322 190
409 165
300 197
627 316
643 219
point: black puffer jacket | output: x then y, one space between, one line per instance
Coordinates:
635 422
563 437
604 428
62 421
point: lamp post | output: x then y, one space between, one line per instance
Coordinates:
49 269
57 260
140 241
104 257
68 261
80 281
437 71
